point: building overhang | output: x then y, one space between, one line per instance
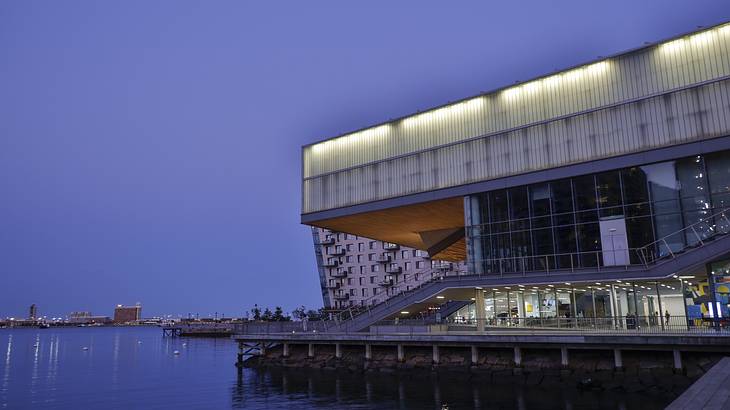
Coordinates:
429 221
427 226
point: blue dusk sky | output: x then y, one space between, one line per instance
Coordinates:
150 150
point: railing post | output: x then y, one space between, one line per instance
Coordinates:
668 248
697 235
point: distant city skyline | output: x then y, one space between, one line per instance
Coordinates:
150 152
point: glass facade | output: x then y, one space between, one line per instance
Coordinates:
626 216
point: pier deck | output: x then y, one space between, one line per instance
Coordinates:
711 391
543 338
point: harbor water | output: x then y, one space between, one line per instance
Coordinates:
138 368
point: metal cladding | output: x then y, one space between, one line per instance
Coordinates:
661 95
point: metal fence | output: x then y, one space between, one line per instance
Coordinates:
612 324
639 325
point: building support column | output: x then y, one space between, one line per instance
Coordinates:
310 350
401 355
480 311
262 348
338 350
239 359
518 356
614 307
474 355
564 356
677 360
618 362
713 296
659 301
436 359
368 352
521 309
285 351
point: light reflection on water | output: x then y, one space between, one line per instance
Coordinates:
136 368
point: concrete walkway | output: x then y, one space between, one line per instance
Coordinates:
711 391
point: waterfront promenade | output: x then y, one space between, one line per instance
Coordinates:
709 392
669 342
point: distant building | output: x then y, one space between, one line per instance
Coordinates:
127 314
358 271
33 312
86 318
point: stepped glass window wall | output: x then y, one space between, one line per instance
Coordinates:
626 216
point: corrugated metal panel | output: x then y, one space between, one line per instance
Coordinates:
683 116
330 180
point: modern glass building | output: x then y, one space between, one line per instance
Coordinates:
597 191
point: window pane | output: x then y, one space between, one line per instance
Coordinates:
694 197
562 197
608 185
540 205
585 198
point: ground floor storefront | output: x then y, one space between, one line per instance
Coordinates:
680 302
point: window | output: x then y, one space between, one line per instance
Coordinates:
364 292
415 253
374 268
371 256
352 292
372 244
585 198
349 247
419 265
362 269
359 258
348 259
405 277
362 281
360 247
375 292
608 188
349 281
372 279
404 254
407 266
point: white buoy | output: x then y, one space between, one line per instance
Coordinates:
139 342
185 344
85 348
176 352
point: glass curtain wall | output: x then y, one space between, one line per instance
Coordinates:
599 219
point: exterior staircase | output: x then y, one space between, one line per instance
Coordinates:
657 261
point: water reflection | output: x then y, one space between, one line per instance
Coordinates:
136 368
319 389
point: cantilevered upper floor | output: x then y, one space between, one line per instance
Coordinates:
374 182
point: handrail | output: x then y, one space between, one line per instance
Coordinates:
350 313
641 253
703 220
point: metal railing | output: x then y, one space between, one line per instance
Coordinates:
623 325
611 324
704 231
402 287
